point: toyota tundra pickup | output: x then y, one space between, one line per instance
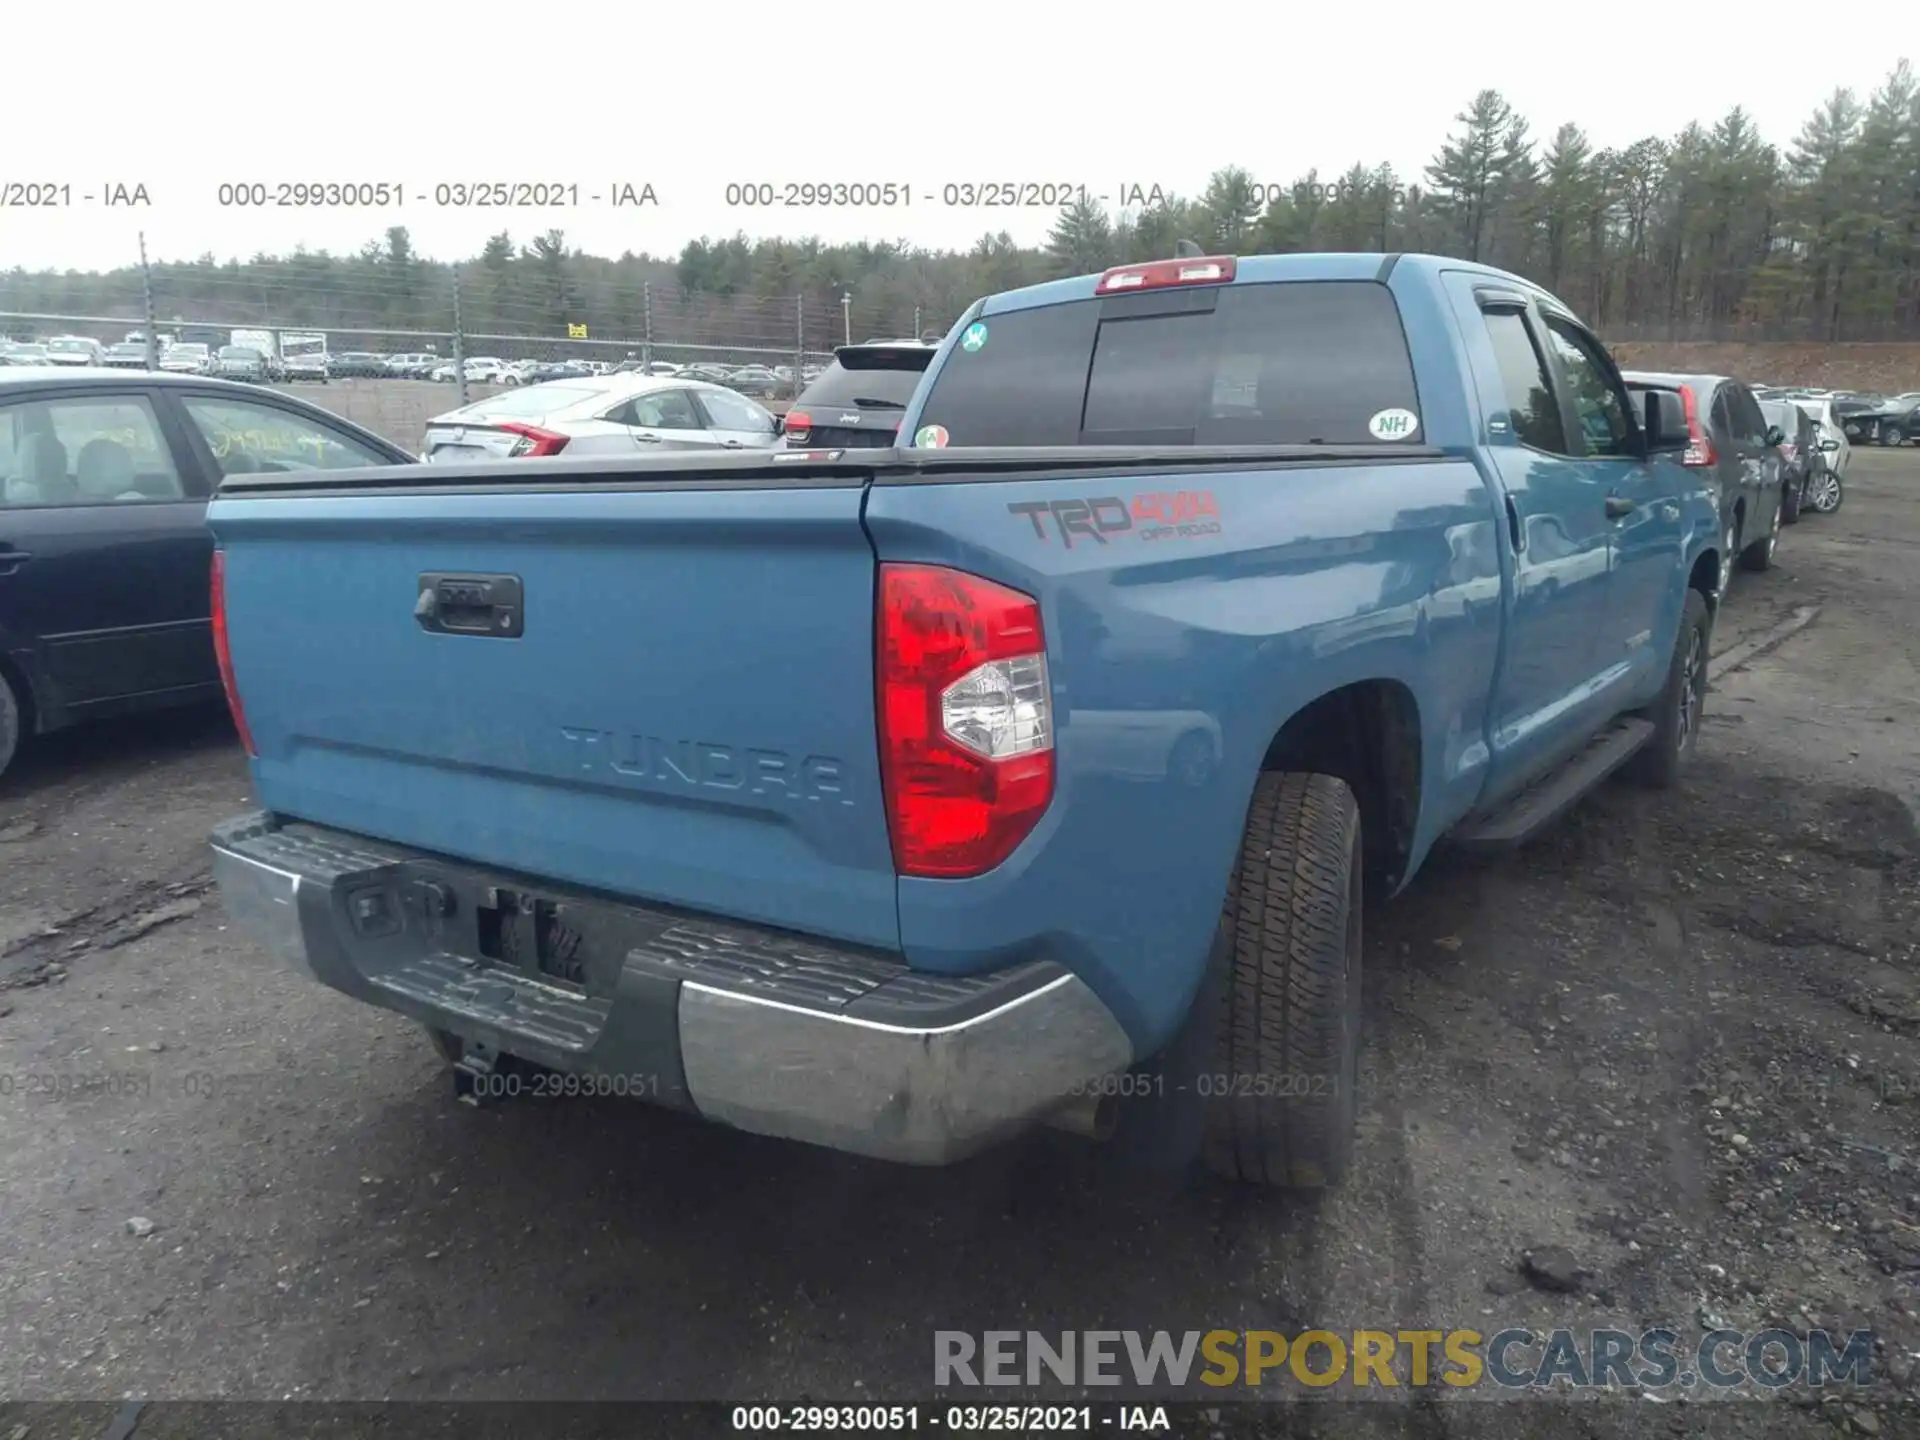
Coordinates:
1030 772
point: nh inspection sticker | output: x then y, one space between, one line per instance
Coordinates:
975 337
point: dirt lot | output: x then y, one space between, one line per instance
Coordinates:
1680 1037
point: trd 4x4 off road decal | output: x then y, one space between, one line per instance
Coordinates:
1151 515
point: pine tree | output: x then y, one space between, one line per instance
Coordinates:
1082 240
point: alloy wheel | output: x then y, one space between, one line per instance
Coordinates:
1825 491
1693 693
1726 560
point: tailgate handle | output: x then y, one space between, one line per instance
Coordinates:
481 605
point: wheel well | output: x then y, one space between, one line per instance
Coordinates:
1367 734
1706 577
23 694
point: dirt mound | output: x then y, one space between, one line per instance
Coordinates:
1885 369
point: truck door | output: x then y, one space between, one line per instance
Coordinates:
1642 511
1547 697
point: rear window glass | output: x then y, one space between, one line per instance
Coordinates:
840 386
1287 363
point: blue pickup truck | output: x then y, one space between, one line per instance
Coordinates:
898 800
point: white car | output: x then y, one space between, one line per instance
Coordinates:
483 369
75 350
188 359
601 415
1821 412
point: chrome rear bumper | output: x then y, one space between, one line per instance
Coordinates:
756 1029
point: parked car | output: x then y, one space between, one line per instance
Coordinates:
858 400
626 415
104 548
1894 421
1799 454
756 380
125 356
313 366
75 350
411 367
481 370
25 352
1849 410
357 365
766 775
187 358
558 370
1732 441
242 362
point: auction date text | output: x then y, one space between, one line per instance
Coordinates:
64 194
442 194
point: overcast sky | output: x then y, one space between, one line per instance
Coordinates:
184 97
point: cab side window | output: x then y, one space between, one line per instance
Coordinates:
90 450
1599 409
1531 411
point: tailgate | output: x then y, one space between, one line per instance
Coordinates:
665 693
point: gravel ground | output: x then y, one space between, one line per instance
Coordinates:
1676 1038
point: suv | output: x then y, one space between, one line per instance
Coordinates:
1730 437
857 401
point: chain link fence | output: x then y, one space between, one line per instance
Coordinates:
406 343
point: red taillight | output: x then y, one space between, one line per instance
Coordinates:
1699 449
799 425
533 441
1202 270
223 652
966 719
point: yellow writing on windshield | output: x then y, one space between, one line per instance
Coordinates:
302 444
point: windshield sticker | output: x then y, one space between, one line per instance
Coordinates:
975 337
930 437
1393 425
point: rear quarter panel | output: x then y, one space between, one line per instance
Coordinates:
1176 655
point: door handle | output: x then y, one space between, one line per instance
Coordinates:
12 559
1619 505
731 445
647 439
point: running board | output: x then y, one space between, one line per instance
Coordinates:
1524 816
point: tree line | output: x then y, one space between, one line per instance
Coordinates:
1714 233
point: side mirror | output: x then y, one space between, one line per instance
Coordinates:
1775 436
779 424
1666 423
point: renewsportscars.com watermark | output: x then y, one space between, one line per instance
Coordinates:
1507 1360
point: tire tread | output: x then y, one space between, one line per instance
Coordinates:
1290 1005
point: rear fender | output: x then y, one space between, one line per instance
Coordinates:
1314 579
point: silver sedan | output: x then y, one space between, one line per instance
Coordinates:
601 415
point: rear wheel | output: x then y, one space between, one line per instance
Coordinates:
1727 537
1280 1090
1826 495
12 720
1791 501
1759 555
1892 435
1676 714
